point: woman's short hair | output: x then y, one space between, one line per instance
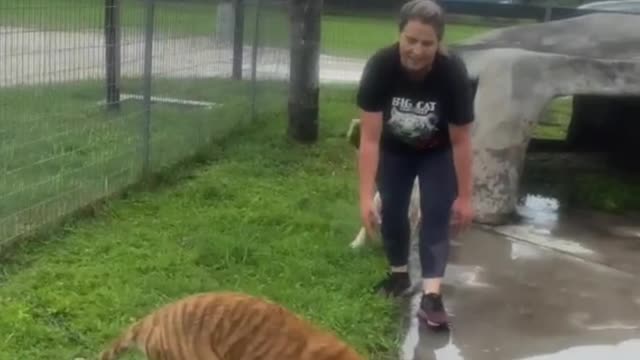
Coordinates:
426 11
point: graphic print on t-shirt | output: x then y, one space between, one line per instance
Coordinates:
414 123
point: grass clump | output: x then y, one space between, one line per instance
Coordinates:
555 119
606 192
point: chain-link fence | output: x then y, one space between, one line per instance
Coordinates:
96 94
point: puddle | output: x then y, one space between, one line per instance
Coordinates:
539 210
540 220
625 231
547 218
449 352
626 350
612 240
531 234
465 276
565 187
524 251
613 326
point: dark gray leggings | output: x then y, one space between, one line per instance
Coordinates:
438 190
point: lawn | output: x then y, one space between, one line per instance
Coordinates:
554 122
266 217
360 36
61 150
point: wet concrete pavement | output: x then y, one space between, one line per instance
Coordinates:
515 299
611 240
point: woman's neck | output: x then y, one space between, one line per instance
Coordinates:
418 74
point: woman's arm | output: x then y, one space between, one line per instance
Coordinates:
460 135
371 100
460 125
369 153
462 156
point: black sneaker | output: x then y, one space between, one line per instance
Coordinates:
394 284
432 311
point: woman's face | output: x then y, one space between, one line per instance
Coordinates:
418 46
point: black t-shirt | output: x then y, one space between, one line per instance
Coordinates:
416 113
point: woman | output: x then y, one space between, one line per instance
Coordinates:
416 111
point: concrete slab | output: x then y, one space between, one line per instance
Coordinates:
607 239
512 299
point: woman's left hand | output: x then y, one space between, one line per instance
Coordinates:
462 213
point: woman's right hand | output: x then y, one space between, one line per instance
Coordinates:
370 217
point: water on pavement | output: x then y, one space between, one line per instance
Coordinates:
547 288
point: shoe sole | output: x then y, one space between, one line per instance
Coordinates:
433 325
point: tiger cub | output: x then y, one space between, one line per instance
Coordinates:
227 326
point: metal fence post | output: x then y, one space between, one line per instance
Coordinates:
238 35
148 57
254 60
112 52
548 9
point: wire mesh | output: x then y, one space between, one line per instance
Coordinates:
95 94
267 30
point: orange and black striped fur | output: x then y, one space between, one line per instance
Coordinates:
228 326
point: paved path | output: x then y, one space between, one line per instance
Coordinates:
33 56
516 299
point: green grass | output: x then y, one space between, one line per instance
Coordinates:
555 120
357 36
266 217
60 149
610 191
78 15
361 36
606 192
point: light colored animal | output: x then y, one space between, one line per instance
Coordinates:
353 135
414 215
227 326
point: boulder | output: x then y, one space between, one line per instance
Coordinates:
519 70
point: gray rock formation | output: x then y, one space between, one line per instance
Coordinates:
519 71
